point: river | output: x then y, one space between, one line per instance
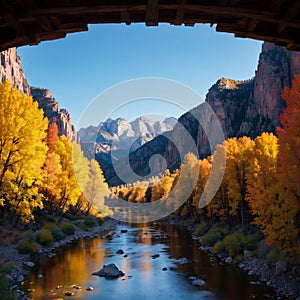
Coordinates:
144 277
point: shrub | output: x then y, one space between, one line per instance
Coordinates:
273 256
5 292
77 222
238 258
84 227
57 233
89 222
237 242
27 247
7 267
211 237
67 228
70 217
49 225
219 247
223 228
232 244
45 237
201 229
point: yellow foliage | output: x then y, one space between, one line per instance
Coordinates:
22 151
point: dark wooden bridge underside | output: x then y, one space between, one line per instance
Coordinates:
28 22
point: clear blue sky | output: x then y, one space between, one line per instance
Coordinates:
76 69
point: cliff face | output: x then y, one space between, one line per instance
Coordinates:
11 69
242 107
54 114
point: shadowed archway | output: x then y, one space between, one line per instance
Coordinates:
28 22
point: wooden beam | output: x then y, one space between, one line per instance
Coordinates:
179 18
152 12
125 17
252 25
45 23
288 15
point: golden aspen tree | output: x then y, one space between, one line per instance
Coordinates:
68 188
238 154
22 152
261 179
96 188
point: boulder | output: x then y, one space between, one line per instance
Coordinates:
124 230
183 261
109 237
155 256
198 282
120 251
280 267
229 260
109 271
29 264
20 278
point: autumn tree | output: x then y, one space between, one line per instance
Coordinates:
92 200
261 181
204 171
52 170
184 189
73 176
22 152
238 155
289 168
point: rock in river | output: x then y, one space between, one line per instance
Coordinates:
120 251
109 271
198 282
29 264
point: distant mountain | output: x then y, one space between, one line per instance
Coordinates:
114 139
242 107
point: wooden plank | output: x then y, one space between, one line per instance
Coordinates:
252 25
179 18
125 17
152 12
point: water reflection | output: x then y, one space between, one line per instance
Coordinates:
144 277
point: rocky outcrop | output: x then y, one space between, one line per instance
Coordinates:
55 114
242 107
11 69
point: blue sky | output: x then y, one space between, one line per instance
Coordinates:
76 69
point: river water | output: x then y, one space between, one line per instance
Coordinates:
144 277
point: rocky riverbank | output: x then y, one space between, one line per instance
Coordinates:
22 263
284 280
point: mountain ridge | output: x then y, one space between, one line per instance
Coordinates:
247 108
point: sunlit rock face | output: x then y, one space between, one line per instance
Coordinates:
243 108
11 69
54 113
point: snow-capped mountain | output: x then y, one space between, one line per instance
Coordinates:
119 137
